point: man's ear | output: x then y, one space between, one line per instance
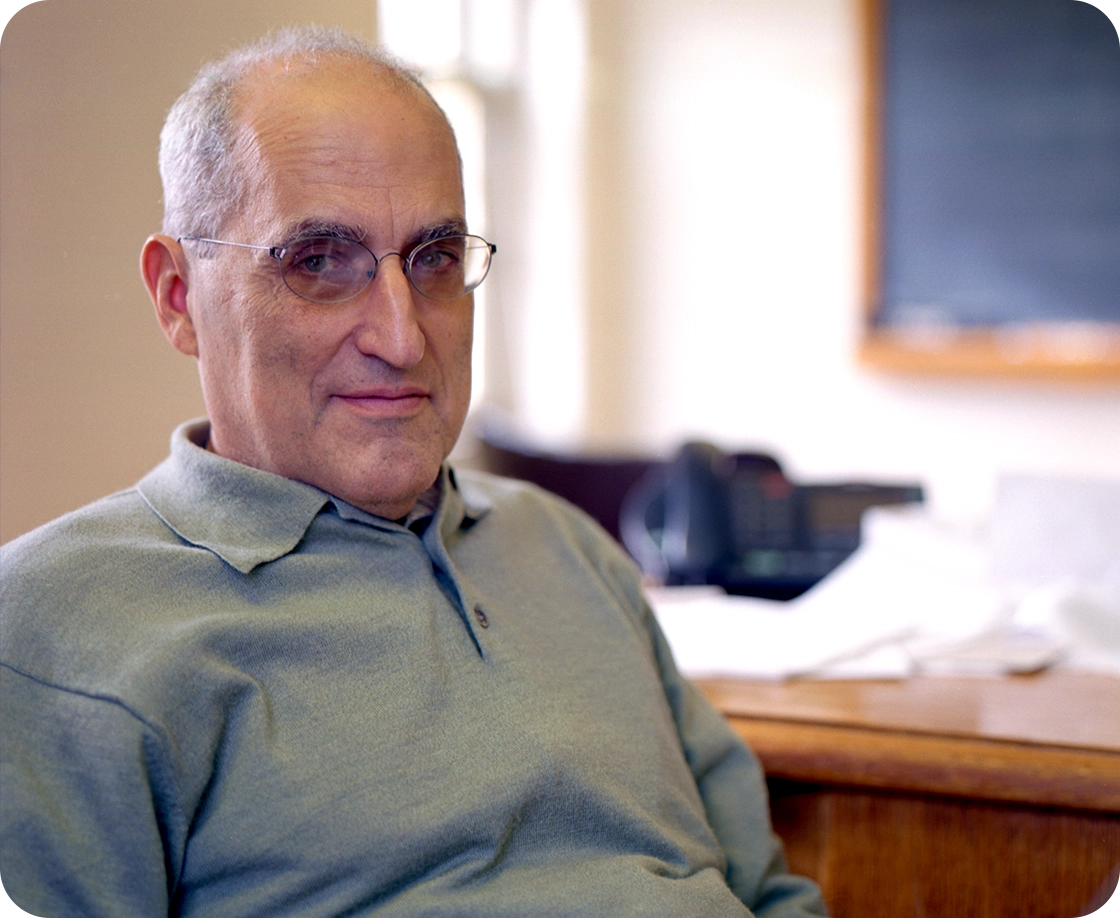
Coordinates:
164 269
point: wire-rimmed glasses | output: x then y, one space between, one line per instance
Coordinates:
329 269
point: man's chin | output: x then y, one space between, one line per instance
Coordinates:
388 487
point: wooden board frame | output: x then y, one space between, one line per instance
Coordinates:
1086 352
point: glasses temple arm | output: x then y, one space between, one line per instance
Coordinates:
272 250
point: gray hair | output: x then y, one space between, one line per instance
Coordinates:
203 183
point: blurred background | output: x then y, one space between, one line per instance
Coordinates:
676 189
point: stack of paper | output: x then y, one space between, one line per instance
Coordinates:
924 596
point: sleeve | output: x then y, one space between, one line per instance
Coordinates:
733 788
87 819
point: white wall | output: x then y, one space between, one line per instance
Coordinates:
725 283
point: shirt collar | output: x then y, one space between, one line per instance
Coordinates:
247 516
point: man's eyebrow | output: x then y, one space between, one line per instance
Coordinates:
316 227
454 227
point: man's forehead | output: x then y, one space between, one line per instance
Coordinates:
335 132
367 109
325 82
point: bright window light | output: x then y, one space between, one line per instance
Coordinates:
425 33
490 39
552 352
464 106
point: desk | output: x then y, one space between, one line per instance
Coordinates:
942 796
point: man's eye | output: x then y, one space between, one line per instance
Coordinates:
317 259
312 264
430 260
435 258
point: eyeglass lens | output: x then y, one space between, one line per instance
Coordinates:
328 269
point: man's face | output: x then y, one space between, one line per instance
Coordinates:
362 398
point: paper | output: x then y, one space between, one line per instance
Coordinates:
713 634
1048 530
1040 588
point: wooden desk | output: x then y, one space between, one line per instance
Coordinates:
931 797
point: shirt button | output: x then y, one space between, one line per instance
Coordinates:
481 617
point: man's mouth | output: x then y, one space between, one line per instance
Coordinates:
385 401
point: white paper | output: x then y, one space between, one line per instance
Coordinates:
713 634
1040 588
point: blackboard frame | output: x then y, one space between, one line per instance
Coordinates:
1075 349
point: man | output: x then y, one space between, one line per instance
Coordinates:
303 668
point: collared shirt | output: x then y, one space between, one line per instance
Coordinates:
226 693
424 509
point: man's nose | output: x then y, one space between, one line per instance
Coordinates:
390 327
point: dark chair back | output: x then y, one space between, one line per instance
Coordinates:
595 484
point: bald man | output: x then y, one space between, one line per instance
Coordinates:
304 668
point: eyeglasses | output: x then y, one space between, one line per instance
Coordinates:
330 269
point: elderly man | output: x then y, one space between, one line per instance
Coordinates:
303 668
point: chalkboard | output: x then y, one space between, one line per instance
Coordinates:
998 132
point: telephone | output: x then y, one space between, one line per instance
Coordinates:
737 521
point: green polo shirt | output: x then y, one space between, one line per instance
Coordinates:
225 693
